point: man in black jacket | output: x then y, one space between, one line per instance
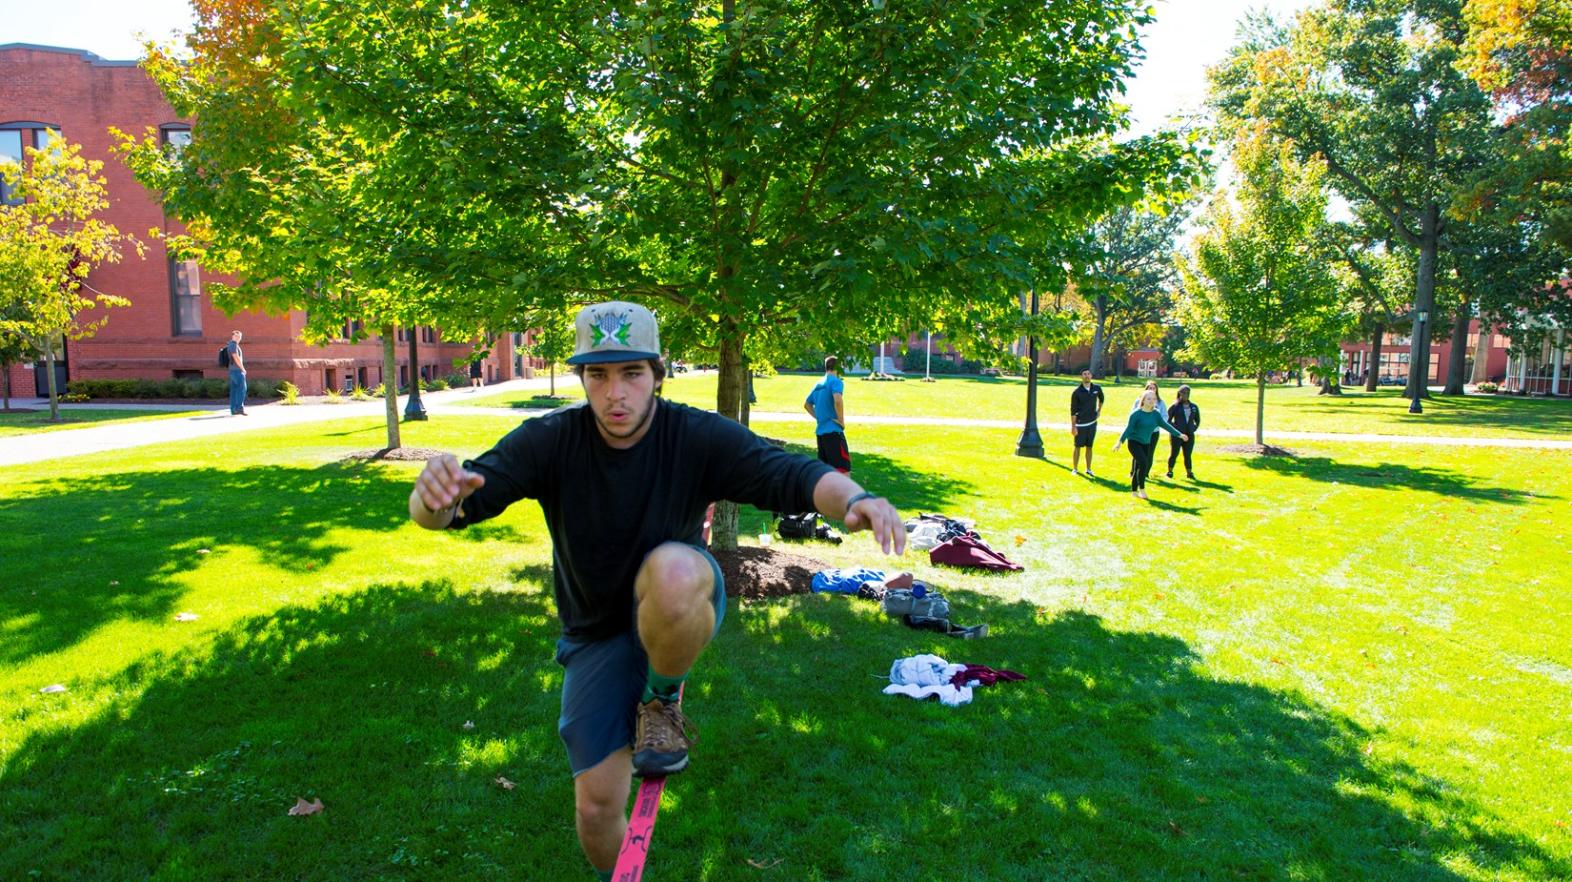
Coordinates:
1185 417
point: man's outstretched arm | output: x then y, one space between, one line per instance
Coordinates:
831 496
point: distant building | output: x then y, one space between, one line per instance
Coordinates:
171 329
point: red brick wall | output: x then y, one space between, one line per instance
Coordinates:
83 96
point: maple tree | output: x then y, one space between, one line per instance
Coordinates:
50 241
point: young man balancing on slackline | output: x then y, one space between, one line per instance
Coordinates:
624 480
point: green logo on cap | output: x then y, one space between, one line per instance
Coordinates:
609 327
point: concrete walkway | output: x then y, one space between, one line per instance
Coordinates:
212 420
215 420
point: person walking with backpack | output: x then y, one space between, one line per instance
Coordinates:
232 357
1141 431
1185 417
623 479
827 405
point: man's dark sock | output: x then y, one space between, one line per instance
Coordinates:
664 688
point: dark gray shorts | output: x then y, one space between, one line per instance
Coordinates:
602 682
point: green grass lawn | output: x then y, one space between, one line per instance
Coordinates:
75 418
1225 404
1349 664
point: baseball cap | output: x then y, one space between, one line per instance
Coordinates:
615 331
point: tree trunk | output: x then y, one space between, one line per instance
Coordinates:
1373 367
1459 353
1118 363
5 375
551 371
1260 408
730 393
54 393
1330 382
1482 354
1424 304
1099 341
390 384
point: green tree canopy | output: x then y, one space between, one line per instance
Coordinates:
765 175
1259 294
1373 87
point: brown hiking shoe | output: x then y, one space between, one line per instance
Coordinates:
661 739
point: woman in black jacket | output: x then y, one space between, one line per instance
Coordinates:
1185 417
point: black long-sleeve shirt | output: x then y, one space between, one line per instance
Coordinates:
1085 403
608 508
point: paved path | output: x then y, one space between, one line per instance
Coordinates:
215 420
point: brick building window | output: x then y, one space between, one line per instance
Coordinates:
185 297
175 137
13 138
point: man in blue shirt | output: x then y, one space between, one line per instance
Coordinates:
237 377
826 405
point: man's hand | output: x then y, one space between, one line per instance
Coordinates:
1183 437
1074 429
442 484
1116 446
877 514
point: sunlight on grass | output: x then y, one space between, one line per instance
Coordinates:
1351 660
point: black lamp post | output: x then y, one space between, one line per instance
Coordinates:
1031 443
1419 374
413 409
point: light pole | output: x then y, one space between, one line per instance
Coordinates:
1031 443
1420 373
927 352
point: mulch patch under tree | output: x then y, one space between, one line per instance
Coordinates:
397 454
755 573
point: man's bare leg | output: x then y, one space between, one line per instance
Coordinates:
600 801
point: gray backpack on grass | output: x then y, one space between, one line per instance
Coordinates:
901 602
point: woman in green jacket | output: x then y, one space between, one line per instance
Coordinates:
1141 432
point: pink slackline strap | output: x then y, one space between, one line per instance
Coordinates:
641 826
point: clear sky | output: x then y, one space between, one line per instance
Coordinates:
1187 36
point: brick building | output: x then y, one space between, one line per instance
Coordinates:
1391 366
172 329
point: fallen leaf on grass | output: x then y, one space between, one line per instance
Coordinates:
114 581
302 807
1019 541
765 865
1175 828
1495 548
185 617
469 725
1277 661
505 784
1369 750
203 551
52 688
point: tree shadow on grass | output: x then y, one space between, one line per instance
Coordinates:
84 551
1387 476
1118 759
187 768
